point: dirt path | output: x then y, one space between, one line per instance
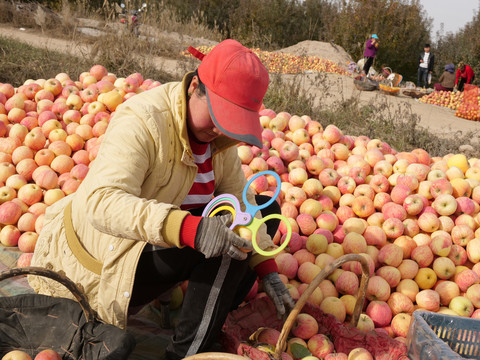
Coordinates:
333 87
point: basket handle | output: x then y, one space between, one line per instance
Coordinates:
311 288
69 284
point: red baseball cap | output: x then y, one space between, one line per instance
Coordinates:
236 82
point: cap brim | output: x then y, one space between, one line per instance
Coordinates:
235 121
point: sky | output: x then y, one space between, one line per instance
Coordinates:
453 14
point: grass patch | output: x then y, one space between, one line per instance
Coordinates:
21 62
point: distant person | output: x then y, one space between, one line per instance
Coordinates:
426 61
371 48
465 75
447 79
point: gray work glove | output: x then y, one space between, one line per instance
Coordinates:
278 292
214 238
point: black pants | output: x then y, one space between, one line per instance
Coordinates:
215 287
463 81
422 80
368 64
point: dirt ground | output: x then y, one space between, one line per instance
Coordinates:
331 88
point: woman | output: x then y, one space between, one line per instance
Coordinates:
127 235
465 75
446 80
371 48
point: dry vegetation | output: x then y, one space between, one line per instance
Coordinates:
123 53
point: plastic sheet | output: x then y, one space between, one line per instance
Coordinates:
433 336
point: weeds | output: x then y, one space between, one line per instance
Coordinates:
21 62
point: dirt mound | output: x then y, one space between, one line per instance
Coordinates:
326 50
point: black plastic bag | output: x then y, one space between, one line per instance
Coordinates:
34 322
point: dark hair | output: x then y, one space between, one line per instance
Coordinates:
201 86
427 45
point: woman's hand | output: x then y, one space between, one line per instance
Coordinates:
214 238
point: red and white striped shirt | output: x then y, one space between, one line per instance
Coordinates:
203 188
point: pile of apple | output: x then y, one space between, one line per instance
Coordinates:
414 217
282 63
447 99
50 131
47 354
469 108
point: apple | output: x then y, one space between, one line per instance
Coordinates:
447 290
428 300
297 176
441 244
375 235
426 278
390 254
26 222
379 312
315 165
16 355
444 268
347 283
303 255
428 222
14 182
400 324
334 306
365 323
458 255
473 294
393 210
316 244
27 241
473 250
307 272
413 204
48 354
320 346
313 188
377 289
462 306
9 235
409 288
360 354
8 193
464 279
400 303
363 206
295 195
391 274
445 204
305 326
10 212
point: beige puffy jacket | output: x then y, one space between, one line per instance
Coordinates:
131 196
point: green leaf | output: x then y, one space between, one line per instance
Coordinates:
299 351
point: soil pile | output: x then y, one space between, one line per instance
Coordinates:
326 50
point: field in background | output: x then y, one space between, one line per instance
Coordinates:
123 54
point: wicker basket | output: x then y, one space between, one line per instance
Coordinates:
440 336
289 322
33 322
